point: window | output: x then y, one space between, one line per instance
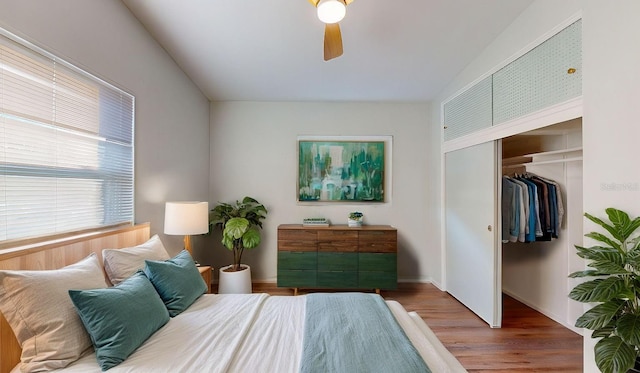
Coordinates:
66 145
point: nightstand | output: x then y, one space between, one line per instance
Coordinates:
205 272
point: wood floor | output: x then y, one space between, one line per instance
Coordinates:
527 342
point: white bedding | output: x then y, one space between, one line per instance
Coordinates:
248 333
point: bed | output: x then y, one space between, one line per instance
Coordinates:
231 333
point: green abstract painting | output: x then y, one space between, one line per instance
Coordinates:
341 171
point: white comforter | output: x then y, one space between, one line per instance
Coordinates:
248 333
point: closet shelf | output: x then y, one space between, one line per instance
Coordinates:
528 158
563 160
516 161
552 152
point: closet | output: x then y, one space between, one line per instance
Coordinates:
525 117
535 273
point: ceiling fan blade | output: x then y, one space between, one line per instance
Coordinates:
346 2
332 41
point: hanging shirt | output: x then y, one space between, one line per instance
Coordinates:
512 204
533 219
508 199
545 217
524 212
559 203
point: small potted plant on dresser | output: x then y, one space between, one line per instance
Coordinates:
615 263
355 219
240 223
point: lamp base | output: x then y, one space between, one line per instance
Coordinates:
187 246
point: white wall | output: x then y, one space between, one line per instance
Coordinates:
254 152
611 113
172 115
610 97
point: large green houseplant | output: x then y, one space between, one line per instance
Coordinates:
615 265
240 223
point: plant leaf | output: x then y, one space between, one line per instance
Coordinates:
611 229
628 328
602 238
633 259
623 224
613 355
620 221
251 239
607 260
600 315
604 331
632 226
248 200
595 252
598 290
609 267
236 227
586 273
227 241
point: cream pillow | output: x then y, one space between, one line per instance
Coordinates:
119 264
37 306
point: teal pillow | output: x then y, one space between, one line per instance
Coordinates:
119 319
177 280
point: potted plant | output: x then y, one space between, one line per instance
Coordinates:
355 219
240 223
615 264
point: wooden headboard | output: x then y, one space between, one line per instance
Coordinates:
57 254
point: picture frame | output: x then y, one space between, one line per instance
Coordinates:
350 169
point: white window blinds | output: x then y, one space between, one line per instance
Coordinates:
66 145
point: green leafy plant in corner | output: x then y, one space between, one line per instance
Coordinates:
240 223
615 264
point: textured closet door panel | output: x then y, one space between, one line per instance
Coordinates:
549 74
468 112
472 252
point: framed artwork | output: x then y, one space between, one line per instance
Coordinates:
343 168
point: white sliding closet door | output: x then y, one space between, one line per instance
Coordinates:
472 251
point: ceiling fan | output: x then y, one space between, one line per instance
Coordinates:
331 12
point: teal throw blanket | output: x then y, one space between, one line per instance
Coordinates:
355 332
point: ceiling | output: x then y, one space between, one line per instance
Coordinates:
272 50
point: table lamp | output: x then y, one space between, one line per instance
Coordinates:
186 218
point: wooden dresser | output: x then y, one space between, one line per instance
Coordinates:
337 257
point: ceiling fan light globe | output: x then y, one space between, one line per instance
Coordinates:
331 11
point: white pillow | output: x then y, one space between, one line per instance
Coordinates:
37 306
119 264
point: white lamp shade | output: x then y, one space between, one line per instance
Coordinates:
186 218
331 11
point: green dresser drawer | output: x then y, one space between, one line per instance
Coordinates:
337 261
296 279
338 279
377 280
378 262
297 260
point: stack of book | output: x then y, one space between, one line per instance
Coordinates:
315 222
